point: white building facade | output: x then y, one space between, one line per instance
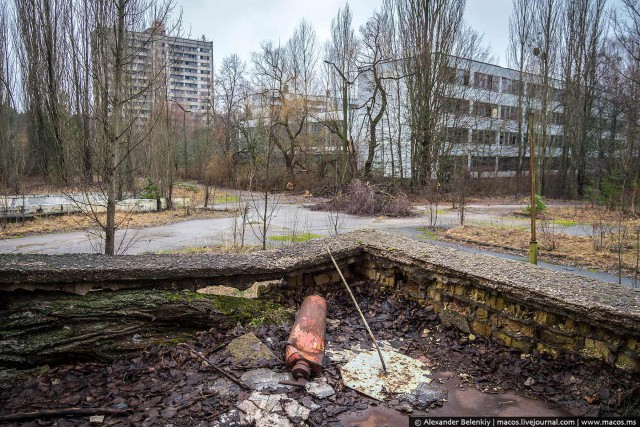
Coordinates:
483 123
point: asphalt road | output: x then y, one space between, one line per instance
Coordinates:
286 219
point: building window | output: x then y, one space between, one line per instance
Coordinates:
486 81
456 135
457 77
507 164
484 136
485 109
483 164
509 112
508 138
510 86
456 106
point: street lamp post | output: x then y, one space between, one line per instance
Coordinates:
533 243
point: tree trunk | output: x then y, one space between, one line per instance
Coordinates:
48 328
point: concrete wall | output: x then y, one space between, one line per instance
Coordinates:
524 307
36 205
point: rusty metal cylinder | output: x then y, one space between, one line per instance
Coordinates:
305 346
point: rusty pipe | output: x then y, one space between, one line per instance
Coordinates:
305 346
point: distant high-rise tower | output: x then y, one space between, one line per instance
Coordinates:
160 69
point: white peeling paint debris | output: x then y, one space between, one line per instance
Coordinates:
271 410
319 388
264 379
404 374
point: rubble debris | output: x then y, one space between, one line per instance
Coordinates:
248 349
208 362
319 388
264 379
96 420
271 410
404 376
305 346
481 376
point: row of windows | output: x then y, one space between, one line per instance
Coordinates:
492 111
190 48
460 135
498 84
175 77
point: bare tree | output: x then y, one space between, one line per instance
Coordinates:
583 42
518 55
429 31
340 56
375 56
287 73
117 40
13 153
231 85
43 58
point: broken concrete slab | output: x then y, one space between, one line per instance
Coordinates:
223 386
271 410
249 349
405 376
319 388
265 379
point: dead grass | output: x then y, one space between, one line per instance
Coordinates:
572 250
586 214
76 222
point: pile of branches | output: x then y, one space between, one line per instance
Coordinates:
362 198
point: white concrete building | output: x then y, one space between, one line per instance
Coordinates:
479 124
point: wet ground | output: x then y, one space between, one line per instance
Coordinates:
288 219
172 385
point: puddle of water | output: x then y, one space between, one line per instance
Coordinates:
374 416
467 401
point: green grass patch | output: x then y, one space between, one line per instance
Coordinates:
427 233
302 237
565 222
227 199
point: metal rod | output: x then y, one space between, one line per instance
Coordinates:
219 370
353 298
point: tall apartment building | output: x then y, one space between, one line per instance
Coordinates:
161 68
190 68
484 112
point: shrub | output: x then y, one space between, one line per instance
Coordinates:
541 206
150 191
362 198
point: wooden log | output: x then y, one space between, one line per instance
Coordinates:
39 328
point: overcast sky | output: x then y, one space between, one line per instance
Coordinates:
238 26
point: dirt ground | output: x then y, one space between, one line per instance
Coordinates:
76 222
170 385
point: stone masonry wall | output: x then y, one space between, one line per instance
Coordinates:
475 308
